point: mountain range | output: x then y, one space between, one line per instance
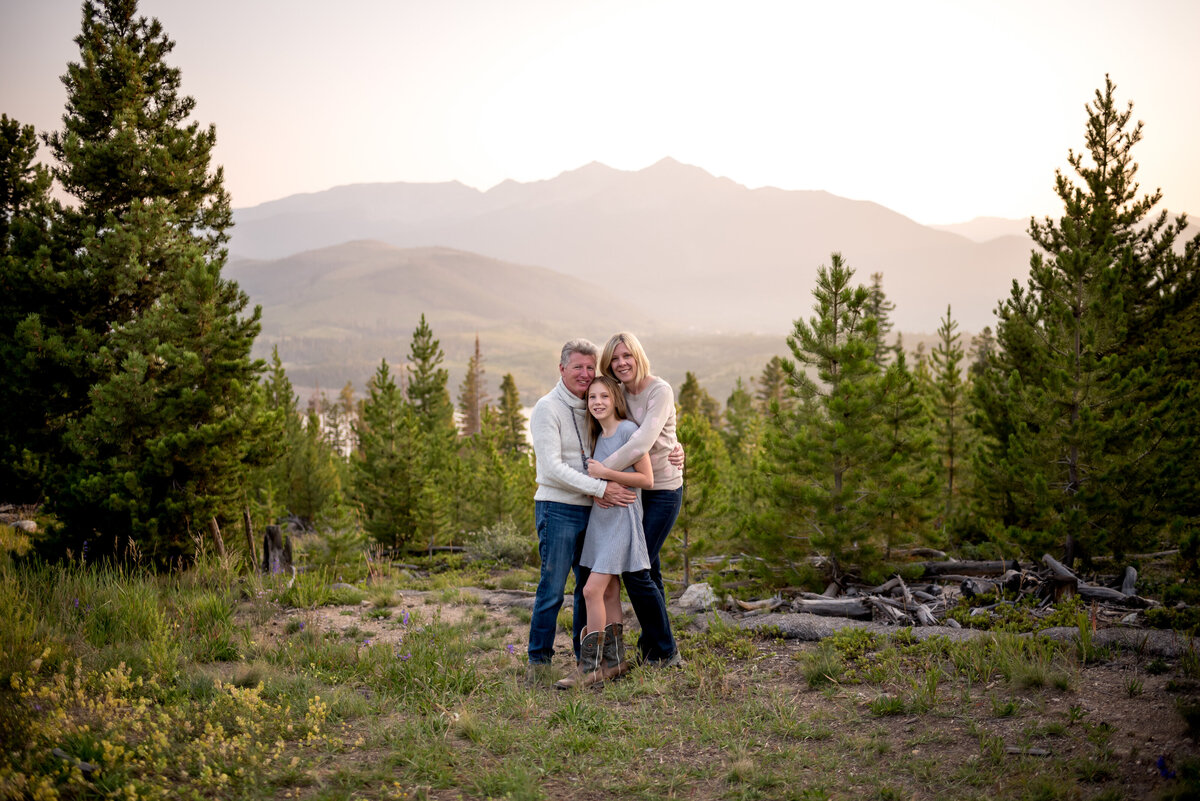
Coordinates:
693 251
710 273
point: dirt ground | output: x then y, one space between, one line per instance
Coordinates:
1145 725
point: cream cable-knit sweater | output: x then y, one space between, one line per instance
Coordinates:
653 409
552 426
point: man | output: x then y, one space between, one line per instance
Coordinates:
558 427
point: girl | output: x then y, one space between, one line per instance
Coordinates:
614 543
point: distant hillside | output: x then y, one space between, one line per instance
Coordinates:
704 253
985 229
335 312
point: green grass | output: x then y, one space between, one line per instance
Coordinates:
228 686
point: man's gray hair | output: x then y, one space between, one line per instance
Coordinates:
577 346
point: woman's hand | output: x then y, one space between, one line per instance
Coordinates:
598 470
675 457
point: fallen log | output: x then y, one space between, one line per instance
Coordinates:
975 568
853 608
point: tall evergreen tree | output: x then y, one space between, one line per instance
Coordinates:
904 476
694 399
436 516
163 447
743 424
1077 408
511 418
427 383
133 304
388 472
772 388
26 212
949 407
704 490
472 394
880 308
830 444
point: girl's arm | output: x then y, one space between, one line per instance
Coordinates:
659 405
642 479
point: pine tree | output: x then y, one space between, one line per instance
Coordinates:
904 476
705 490
502 480
388 473
1076 407
435 516
427 392
132 304
472 394
26 212
163 447
880 308
743 424
694 399
828 448
512 419
772 388
949 406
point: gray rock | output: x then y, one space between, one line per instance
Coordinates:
697 596
28 526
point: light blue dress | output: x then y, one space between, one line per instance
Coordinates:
615 542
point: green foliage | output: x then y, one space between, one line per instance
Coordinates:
505 544
695 400
511 418
1084 430
135 414
848 461
388 471
949 412
705 500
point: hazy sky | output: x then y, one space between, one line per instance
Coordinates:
943 111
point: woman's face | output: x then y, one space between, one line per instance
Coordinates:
600 402
623 365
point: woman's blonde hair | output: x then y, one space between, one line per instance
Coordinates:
635 349
620 408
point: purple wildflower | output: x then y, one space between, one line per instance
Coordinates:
405 657
405 620
512 649
367 642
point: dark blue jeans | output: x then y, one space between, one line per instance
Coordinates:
660 508
560 528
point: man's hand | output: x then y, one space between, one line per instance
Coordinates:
675 457
616 495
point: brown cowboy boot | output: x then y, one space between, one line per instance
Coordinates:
589 671
614 651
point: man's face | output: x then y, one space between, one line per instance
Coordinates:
578 372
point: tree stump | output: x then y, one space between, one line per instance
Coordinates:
277 551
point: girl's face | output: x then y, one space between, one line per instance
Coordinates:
600 402
623 365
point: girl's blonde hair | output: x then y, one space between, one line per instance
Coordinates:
620 409
635 349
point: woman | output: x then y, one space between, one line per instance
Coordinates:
651 404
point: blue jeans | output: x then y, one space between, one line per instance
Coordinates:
560 528
660 508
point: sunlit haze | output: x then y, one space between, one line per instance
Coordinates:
942 111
